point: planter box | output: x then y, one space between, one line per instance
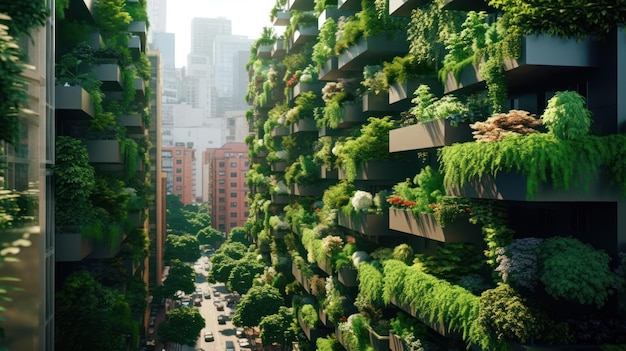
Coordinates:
302 35
109 74
543 58
330 70
352 115
139 29
372 49
324 318
348 277
304 281
140 90
278 49
373 225
70 246
349 4
326 131
395 343
264 51
104 151
404 8
384 170
134 45
339 335
333 13
302 5
282 18
439 327
133 123
373 103
403 92
303 88
328 173
281 199
316 189
458 231
312 333
325 266
278 166
512 186
73 103
304 125
428 135
279 131
378 342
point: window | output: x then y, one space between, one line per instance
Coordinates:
245 204
179 179
233 174
246 214
221 199
233 195
247 164
233 184
233 215
222 227
222 181
222 173
179 162
179 170
222 191
177 152
233 224
233 204
222 217
233 164
179 187
222 208
222 164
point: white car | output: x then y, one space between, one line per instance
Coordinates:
243 342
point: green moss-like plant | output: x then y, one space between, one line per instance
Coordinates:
566 116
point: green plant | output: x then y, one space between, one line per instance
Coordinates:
370 283
566 116
303 109
421 193
334 95
338 195
451 261
428 108
308 314
323 49
374 79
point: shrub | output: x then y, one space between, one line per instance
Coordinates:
566 116
500 125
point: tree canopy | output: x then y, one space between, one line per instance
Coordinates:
244 271
210 236
260 301
179 277
182 247
278 328
182 325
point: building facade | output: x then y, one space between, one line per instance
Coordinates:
179 162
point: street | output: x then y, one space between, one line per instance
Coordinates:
209 311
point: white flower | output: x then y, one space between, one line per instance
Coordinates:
336 149
281 120
281 154
362 200
281 188
260 142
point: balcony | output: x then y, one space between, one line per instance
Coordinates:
279 131
372 49
281 19
301 36
349 4
70 246
278 50
348 277
301 278
543 59
316 189
301 5
303 126
328 173
369 224
109 74
334 14
384 171
512 186
403 8
428 135
73 103
403 92
330 71
140 90
312 333
278 166
104 151
396 343
378 342
133 123
264 51
80 10
426 226
379 104
134 45
139 29
302 87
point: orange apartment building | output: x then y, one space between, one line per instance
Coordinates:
224 188
179 165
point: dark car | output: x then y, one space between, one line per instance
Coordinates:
197 301
221 319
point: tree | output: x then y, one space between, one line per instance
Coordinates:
179 277
242 275
278 328
88 313
239 235
210 236
260 301
182 325
221 266
183 247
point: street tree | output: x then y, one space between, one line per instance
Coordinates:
179 277
239 234
278 328
210 236
260 301
88 313
221 266
182 325
182 247
243 273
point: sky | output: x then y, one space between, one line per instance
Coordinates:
248 18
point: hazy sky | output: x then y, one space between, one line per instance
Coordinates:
248 18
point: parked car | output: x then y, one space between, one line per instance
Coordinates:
243 342
230 346
221 319
208 336
219 306
239 332
216 293
207 294
197 301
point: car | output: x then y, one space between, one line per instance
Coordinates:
216 293
243 342
207 294
219 306
208 336
229 346
239 332
221 319
197 301
198 290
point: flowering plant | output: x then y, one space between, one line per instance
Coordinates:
397 202
362 200
332 244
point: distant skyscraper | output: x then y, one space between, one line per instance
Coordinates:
203 33
165 43
157 15
229 72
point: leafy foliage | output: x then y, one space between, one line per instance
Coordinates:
260 301
278 328
519 263
182 247
566 116
419 194
180 278
182 325
370 283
